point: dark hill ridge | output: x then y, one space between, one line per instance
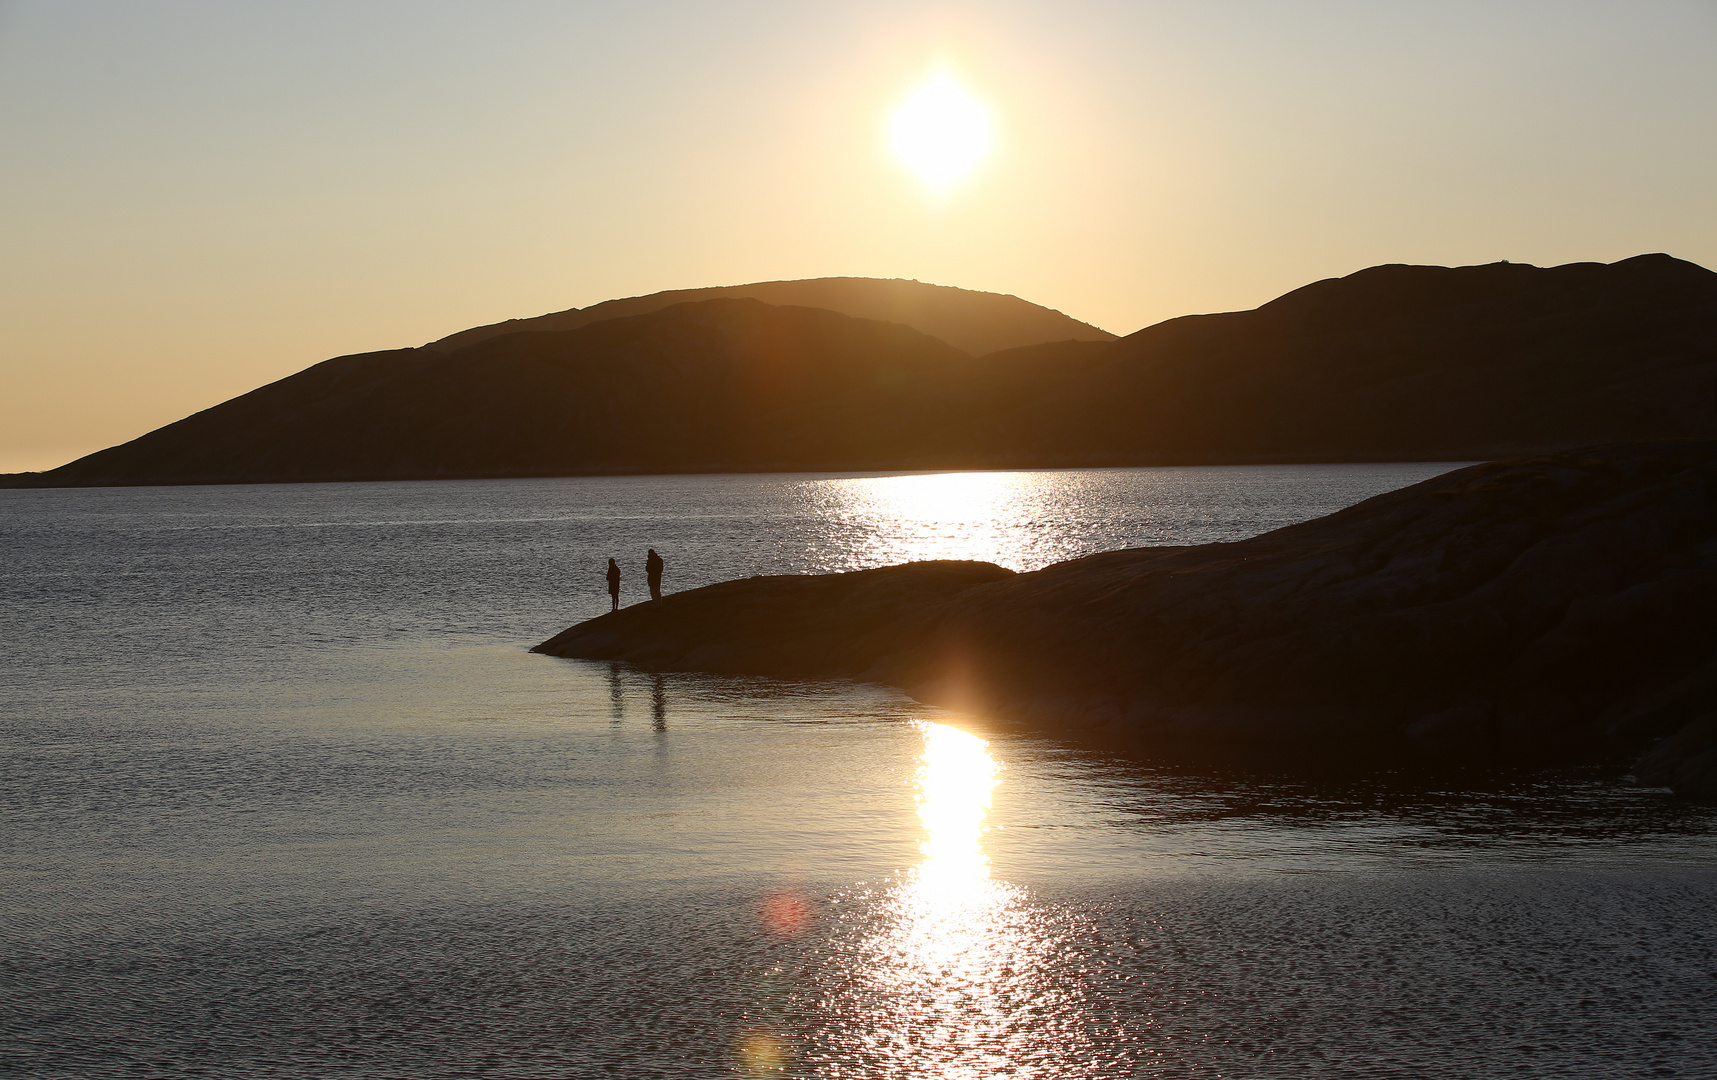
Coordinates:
973 322
1391 363
719 385
1410 362
1548 609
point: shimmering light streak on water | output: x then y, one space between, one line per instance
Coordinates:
955 779
987 516
1026 520
959 977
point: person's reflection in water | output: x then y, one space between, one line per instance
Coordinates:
658 703
616 693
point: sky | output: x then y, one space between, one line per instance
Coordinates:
197 198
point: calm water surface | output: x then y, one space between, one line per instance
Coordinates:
283 794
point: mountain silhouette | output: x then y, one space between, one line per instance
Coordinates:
1390 363
975 322
717 385
1408 362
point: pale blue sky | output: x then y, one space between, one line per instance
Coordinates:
197 198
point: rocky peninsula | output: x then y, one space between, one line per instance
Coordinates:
1550 609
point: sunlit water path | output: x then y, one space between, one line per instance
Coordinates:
284 795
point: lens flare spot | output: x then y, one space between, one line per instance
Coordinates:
786 912
762 1053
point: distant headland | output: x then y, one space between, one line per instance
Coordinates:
1545 610
976 323
1391 363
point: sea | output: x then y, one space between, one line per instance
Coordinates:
283 793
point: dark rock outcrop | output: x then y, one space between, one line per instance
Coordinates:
1561 608
787 626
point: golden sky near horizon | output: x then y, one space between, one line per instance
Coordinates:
199 198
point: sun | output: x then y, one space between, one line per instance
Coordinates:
940 132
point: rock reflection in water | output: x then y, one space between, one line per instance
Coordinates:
958 978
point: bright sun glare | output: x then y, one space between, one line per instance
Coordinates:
940 132
955 778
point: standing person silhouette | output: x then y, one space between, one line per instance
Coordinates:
614 583
653 573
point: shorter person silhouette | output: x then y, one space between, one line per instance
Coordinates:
614 583
653 573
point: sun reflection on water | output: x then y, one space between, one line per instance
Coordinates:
955 778
957 978
965 515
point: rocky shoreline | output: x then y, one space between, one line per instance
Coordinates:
1551 609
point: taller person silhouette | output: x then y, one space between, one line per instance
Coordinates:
614 584
653 574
